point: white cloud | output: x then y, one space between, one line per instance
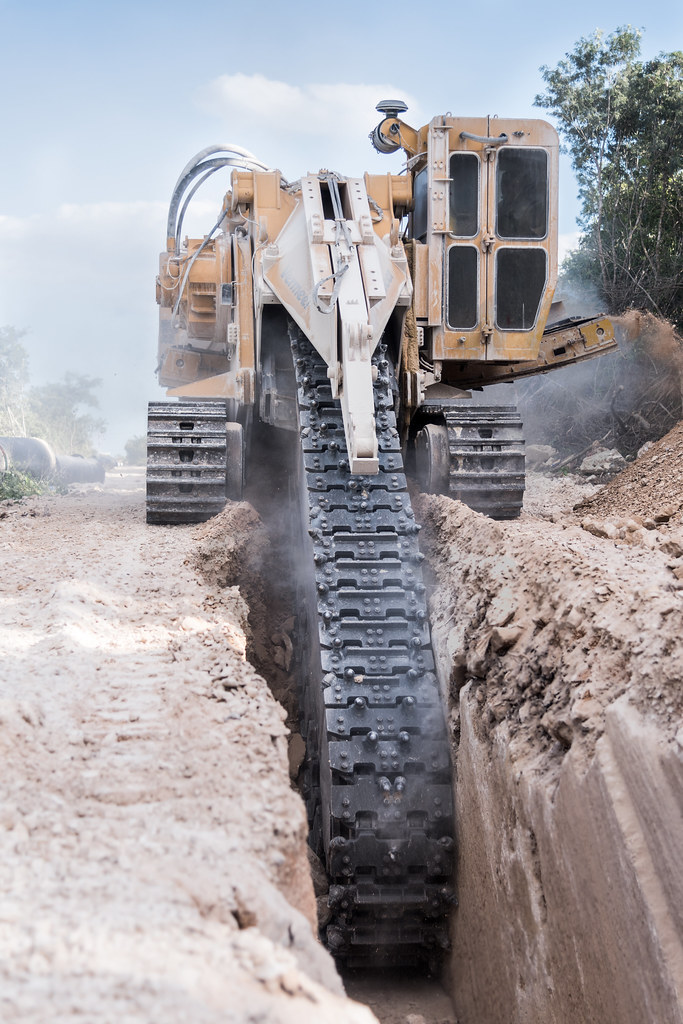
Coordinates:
13 228
316 109
299 128
254 96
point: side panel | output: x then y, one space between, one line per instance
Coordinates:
490 225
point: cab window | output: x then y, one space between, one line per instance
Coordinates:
462 287
522 193
520 283
419 225
464 194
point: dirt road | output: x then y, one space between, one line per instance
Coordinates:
148 833
152 852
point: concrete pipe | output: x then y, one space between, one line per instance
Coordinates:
30 455
75 469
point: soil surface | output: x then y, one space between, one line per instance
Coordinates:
153 859
152 853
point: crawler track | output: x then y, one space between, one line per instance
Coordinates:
474 453
379 790
486 447
186 461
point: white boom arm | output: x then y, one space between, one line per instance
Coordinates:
340 282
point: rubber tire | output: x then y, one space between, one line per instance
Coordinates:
234 468
432 458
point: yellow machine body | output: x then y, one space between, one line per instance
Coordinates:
455 261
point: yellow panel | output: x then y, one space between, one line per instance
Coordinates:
420 273
245 302
272 206
221 386
558 348
242 187
487 342
378 187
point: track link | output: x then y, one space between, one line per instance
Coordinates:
186 461
475 454
486 447
380 800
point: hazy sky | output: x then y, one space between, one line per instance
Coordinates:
103 104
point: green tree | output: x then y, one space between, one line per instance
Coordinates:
13 381
60 412
57 413
136 450
622 120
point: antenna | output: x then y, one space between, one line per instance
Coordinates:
391 108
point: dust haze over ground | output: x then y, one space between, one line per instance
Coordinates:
153 852
621 400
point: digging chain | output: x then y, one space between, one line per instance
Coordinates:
380 800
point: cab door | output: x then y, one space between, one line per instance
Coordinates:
521 255
500 243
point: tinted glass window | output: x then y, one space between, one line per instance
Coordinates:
464 194
420 208
462 286
520 282
522 193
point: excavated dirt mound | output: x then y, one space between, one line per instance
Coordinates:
552 627
651 487
559 644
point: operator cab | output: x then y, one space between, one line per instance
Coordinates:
485 209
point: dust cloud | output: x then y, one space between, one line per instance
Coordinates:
620 400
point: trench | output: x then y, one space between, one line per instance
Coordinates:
394 996
561 776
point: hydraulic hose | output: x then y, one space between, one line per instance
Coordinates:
184 182
236 156
186 203
190 264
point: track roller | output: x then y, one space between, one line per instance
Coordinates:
473 453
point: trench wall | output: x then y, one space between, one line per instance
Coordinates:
571 896
560 653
